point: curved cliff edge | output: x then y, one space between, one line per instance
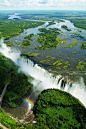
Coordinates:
54 109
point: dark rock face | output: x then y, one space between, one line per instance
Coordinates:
56 109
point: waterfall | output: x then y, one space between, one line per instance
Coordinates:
42 78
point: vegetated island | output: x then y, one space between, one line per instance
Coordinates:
48 38
65 27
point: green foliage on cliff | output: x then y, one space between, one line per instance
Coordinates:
56 109
9 123
3 77
18 86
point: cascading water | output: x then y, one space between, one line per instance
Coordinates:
42 78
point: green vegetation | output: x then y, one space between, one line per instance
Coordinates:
25 43
10 28
49 57
74 52
56 109
50 41
61 64
4 76
45 61
48 38
73 43
78 22
81 65
18 86
83 45
50 23
8 122
29 37
41 39
60 40
50 30
9 44
30 54
65 27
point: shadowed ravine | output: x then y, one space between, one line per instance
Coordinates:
5 87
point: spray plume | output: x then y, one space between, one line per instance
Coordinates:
42 78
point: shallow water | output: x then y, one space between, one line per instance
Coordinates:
59 52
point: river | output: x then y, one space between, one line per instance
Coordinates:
60 52
41 76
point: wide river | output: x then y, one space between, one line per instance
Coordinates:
59 53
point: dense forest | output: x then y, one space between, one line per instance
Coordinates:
54 109
18 86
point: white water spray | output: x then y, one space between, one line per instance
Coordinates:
42 78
